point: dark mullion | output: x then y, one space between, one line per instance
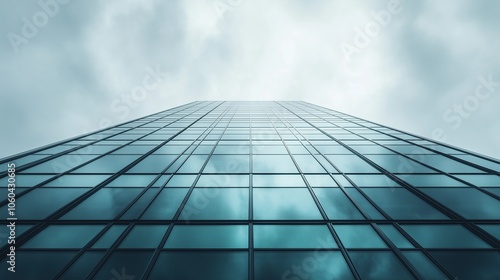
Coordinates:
251 266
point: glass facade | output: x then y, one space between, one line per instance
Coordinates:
251 190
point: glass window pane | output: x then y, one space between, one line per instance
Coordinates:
337 205
359 236
83 266
107 164
379 265
364 204
273 164
208 236
64 236
227 164
395 236
320 181
492 229
351 164
317 265
193 164
216 204
120 263
132 181
109 237
293 236
438 236
281 204
308 164
470 264
431 180
152 164
373 181
401 204
165 205
278 181
105 204
399 164
223 180
275 149
201 265
137 237
77 181
39 203
424 266
181 181
468 202
34 264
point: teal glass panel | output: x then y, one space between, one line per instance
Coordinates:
144 236
223 180
423 265
64 236
107 164
227 164
308 164
431 180
109 237
39 203
470 264
395 236
492 229
320 181
438 236
399 164
399 203
293 236
278 181
105 204
33 264
152 164
83 266
125 264
379 265
292 265
132 181
359 236
336 204
208 236
181 181
216 204
201 265
193 164
373 181
273 164
468 202
351 164
282 204
165 205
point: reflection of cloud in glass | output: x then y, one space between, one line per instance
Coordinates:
284 204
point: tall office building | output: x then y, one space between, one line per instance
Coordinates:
250 190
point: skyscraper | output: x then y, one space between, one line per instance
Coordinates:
250 190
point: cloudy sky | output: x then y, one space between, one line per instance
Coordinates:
426 67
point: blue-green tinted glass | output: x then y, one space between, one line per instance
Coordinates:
379 265
35 264
423 265
208 236
77 181
109 237
351 164
468 202
364 204
308 164
216 204
107 164
282 204
432 180
438 236
492 229
144 236
293 236
181 181
105 204
132 181
470 264
227 164
401 204
83 266
273 164
152 164
165 205
336 204
399 164
317 265
223 180
39 203
395 236
278 181
373 181
320 181
481 180
193 164
64 236
123 264
359 236
201 265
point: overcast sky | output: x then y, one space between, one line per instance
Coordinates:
426 67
